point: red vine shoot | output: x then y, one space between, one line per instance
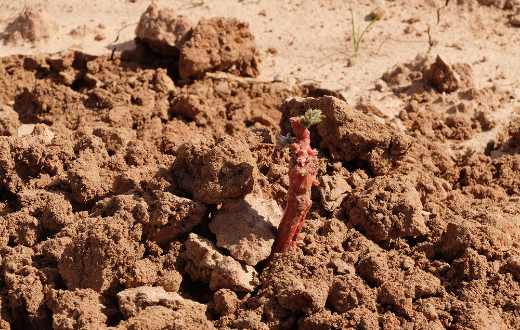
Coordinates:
302 176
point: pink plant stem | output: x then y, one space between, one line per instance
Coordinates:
302 175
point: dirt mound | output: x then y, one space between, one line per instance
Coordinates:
441 100
215 44
31 26
131 197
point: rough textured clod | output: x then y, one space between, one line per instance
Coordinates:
100 252
332 189
162 30
219 44
8 121
78 309
388 207
181 314
172 216
215 172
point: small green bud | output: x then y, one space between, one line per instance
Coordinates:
311 117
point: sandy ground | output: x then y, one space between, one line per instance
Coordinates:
310 39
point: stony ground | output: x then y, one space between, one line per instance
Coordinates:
143 189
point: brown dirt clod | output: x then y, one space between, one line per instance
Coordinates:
215 171
219 44
162 30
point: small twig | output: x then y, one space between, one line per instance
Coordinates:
431 43
357 37
381 45
232 77
439 11
196 4
117 38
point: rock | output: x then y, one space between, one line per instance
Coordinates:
27 158
127 206
399 283
373 268
144 272
52 248
162 30
24 129
132 301
214 172
297 284
170 280
247 227
77 309
31 25
304 295
87 180
172 216
446 78
205 263
162 82
219 44
19 228
44 104
115 139
388 207
332 190
395 295
470 266
42 131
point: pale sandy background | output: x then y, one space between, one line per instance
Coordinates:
308 41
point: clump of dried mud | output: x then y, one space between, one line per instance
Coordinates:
144 192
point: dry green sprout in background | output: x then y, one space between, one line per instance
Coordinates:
357 34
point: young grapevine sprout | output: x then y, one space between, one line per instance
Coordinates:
302 176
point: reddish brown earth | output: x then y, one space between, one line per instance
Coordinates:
143 191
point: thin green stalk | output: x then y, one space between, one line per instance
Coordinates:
357 38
